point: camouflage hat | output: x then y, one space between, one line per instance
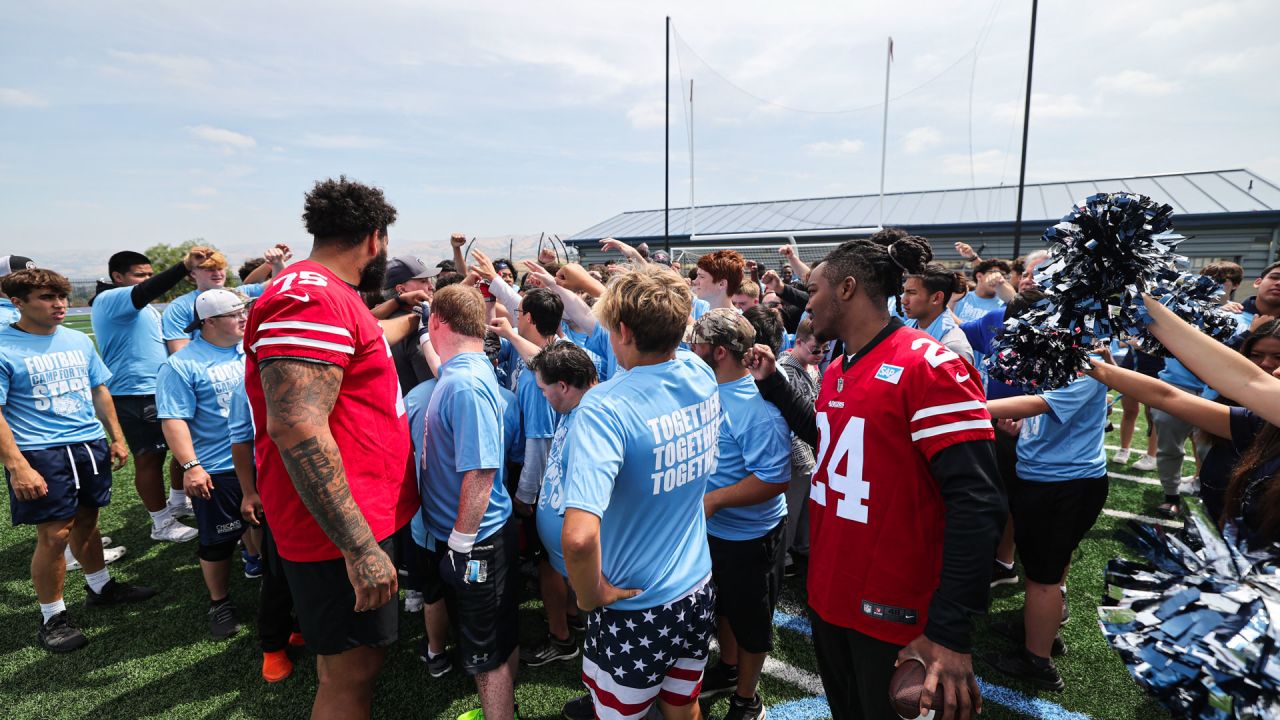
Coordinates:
724 327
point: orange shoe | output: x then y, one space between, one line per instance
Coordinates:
276 666
295 639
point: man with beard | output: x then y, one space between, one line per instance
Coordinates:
333 444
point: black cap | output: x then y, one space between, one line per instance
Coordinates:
405 268
13 263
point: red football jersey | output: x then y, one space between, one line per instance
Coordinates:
875 513
308 313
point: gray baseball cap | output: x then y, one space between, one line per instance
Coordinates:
405 268
724 327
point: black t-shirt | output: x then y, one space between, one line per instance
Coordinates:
411 366
1245 426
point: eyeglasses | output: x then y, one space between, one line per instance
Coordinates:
237 314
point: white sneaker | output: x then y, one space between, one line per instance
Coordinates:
1146 463
1121 456
180 510
109 555
173 531
1190 485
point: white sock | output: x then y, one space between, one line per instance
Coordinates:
1005 565
48 610
177 497
430 655
161 517
98 580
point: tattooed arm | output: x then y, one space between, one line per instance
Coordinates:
299 396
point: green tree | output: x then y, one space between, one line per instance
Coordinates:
164 256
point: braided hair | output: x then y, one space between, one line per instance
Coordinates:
879 263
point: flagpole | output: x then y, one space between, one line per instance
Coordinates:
884 131
1026 126
693 224
666 152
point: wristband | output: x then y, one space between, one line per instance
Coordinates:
188 465
461 542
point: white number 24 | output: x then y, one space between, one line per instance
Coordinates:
854 490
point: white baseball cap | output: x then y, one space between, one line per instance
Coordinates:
215 302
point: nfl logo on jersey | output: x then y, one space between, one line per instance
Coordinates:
889 373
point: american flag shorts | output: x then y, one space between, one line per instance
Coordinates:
632 657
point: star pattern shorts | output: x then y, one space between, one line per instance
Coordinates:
632 657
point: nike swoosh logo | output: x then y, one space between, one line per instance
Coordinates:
304 297
962 378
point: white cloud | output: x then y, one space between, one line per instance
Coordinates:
179 69
321 141
1198 20
204 191
987 162
648 115
921 139
1134 82
835 147
12 97
194 207
227 139
1235 63
1044 106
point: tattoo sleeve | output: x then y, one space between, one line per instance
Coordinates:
299 397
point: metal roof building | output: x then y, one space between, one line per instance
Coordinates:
1226 214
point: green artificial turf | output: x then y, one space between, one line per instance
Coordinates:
154 659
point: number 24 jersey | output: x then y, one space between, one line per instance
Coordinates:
876 516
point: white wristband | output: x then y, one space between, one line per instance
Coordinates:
460 542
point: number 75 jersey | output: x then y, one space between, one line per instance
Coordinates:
875 513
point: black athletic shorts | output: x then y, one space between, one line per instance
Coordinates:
218 518
324 602
1049 521
137 414
748 576
1006 458
481 599
427 572
77 476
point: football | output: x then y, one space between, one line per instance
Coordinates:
905 688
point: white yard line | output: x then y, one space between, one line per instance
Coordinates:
1141 518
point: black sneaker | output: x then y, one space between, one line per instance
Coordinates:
117 593
579 708
1017 632
719 680
577 624
1001 575
797 567
60 635
744 709
1022 665
437 666
550 651
222 620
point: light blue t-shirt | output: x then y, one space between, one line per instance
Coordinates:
129 340
463 432
638 456
9 313
598 343
197 384
415 407
1066 442
972 307
46 387
580 339
550 511
754 439
180 313
240 418
700 308
537 418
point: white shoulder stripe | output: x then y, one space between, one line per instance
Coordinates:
304 342
953 407
301 325
950 428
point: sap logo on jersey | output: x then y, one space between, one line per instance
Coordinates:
889 373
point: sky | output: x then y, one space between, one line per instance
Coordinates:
124 124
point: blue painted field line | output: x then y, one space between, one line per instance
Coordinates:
1012 699
806 709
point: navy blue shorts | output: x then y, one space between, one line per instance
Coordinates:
77 475
218 518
